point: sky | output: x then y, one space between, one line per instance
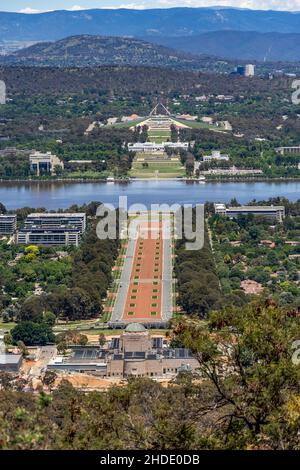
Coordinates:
36 6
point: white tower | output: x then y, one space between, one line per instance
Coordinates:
2 92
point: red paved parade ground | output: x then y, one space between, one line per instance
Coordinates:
144 298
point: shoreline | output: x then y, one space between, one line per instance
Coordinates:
132 180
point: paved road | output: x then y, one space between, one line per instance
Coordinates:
124 282
167 281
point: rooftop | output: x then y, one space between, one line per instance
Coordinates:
10 358
135 328
57 214
256 208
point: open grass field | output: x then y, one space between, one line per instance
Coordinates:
159 135
7 326
196 124
125 125
89 174
171 168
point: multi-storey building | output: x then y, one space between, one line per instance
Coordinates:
44 163
53 229
274 212
2 92
53 219
247 70
156 147
8 224
217 156
43 235
292 150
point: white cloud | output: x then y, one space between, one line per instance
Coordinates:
292 5
134 6
29 10
129 6
76 8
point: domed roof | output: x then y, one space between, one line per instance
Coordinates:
135 328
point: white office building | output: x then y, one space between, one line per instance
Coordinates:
216 155
292 150
49 219
2 92
274 212
53 229
8 224
43 235
151 147
247 70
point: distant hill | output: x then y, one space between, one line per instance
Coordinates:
89 50
140 23
242 45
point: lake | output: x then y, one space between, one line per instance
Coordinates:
55 195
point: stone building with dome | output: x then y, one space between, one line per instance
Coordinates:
134 353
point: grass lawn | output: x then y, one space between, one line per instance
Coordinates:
163 169
7 326
127 124
159 135
89 174
196 124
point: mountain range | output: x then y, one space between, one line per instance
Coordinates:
167 22
242 45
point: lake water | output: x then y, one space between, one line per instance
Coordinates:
54 195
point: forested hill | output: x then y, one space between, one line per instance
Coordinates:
89 50
140 23
200 52
45 81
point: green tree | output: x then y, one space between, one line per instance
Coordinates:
31 333
102 339
246 354
32 309
78 305
49 378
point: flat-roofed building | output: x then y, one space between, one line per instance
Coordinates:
2 92
292 150
54 235
56 228
156 147
8 224
220 209
247 70
274 212
232 171
74 219
10 362
216 155
44 163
